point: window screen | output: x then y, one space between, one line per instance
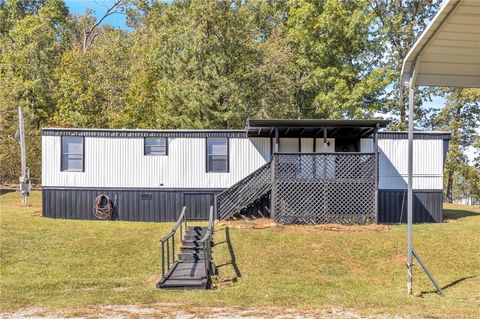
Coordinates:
155 146
217 155
72 153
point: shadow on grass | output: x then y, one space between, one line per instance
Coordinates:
4 191
453 283
232 260
458 213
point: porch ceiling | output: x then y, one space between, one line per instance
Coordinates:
314 128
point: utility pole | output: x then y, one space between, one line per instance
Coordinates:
24 179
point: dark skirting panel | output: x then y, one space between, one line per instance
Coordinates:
427 206
152 205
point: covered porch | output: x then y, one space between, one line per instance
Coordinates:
321 171
317 136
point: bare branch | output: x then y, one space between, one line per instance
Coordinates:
92 32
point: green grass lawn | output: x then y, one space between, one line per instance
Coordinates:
69 263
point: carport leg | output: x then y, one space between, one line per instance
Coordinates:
411 95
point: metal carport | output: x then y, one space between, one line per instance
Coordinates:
447 54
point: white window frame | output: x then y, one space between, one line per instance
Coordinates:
146 153
62 154
227 155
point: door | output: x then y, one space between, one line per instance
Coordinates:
198 205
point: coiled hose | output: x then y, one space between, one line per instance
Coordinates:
102 207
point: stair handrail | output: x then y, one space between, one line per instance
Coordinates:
241 183
165 241
207 244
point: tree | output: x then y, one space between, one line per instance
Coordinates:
15 10
91 85
336 58
205 64
91 27
461 117
31 45
399 23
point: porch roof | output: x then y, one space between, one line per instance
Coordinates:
314 128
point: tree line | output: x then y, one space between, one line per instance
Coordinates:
213 64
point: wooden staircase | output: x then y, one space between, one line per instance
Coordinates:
193 266
245 193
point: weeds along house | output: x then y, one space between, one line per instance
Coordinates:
296 171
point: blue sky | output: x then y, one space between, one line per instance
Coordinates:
100 7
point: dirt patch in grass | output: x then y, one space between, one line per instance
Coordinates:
37 213
175 310
264 223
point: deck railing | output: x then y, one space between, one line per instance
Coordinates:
310 188
168 242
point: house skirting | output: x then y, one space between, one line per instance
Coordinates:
164 205
427 206
130 204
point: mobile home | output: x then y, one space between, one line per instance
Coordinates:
295 171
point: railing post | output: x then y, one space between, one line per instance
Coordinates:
375 148
272 181
168 253
163 258
173 248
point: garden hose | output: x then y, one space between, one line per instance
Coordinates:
102 207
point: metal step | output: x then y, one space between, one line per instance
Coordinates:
183 284
194 233
188 272
189 256
192 237
192 245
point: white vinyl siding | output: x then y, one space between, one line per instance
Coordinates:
307 145
119 162
427 164
366 145
328 147
288 145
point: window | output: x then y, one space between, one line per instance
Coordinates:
217 155
72 153
155 146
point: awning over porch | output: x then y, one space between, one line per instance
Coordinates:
314 128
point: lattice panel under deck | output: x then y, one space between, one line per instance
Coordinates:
324 188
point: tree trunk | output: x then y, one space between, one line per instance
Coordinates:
450 186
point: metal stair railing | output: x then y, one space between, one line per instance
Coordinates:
244 193
207 245
169 240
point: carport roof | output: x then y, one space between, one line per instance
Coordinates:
448 51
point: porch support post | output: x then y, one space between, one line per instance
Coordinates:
324 136
272 169
277 140
273 186
375 149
